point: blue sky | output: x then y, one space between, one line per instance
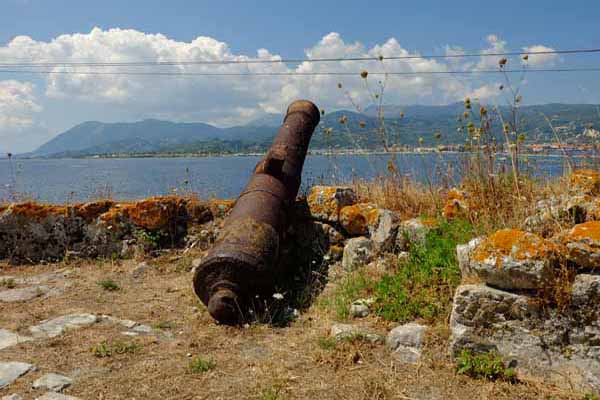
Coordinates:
36 108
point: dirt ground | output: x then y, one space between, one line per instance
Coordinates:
256 362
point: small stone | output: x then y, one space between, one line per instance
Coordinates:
11 371
140 270
403 257
513 259
23 294
142 328
405 342
56 396
196 262
8 339
326 202
384 232
357 252
413 232
346 331
360 308
53 382
12 397
55 327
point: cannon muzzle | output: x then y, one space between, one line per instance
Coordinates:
243 261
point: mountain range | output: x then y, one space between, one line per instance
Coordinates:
405 125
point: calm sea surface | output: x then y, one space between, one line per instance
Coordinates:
68 180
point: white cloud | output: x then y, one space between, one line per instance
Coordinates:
225 100
485 92
17 105
540 59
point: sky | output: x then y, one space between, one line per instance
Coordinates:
34 108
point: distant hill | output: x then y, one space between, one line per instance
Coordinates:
404 125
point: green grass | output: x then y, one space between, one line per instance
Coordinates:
424 286
487 366
272 393
350 288
8 283
109 285
164 325
105 349
199 365
327 343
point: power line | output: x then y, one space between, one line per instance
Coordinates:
324 73
296 60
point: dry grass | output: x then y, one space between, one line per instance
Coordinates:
253 363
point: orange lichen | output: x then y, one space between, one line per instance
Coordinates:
357 218
152 214
90 211
587 230
3 208
456 204
325 202
517 244
37 211
585 181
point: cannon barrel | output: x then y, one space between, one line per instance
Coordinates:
243 261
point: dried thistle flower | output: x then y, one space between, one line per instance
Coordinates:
364 74
502 62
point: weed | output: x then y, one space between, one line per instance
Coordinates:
8 283
272 393
105 349
201 364
164 325
350 288
424 286
327 343
487 365
109 285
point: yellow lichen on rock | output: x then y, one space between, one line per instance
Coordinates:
583 244
90 211
456 204
326 202
357 218
152 214
37 211
516 244
585 181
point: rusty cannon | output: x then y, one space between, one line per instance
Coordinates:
243 261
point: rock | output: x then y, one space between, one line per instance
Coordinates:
583 244
456 204
413 232
357 252
53 382
564 210
334 237
55 327
56 396
403 257
360 308
140 270
464 253
325 202
8 339
585 181
513 259
357 218
11 371
140 328
558 347
346 331
405 341
23 294
12 397
384 232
